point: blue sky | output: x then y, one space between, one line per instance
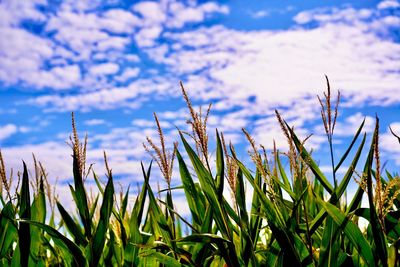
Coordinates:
114 63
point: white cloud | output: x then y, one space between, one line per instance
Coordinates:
116 43
325 15
19 60
388 4
128 73
391 21
12 12
131 58
76 34
259 14
119 21
56 155
184 15
104 69
24 129
152 12
132 96
146 36
142 123
7 130
175 14
94 122
266 62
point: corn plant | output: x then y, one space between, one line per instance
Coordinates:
292 216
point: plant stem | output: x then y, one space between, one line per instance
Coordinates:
332 161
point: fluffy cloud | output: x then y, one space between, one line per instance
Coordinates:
259 14
128 73
266 62
261 61
131 96
67 39
94 122
152 12
12 12
7 131
325 15
56 155
104 69
388 4
183 14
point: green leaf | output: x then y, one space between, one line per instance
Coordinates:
9 231
202 238
329 248
255 218
219 181
38 211
66 246
72 227
81 197
160 222
195 206
246 247
283 173
125 203
161 258
99 237
131 250
24 213
93 207
377 229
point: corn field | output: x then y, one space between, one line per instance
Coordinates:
278 214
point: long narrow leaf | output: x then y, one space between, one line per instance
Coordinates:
72 227
81 197
99 237
377 229
24 234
